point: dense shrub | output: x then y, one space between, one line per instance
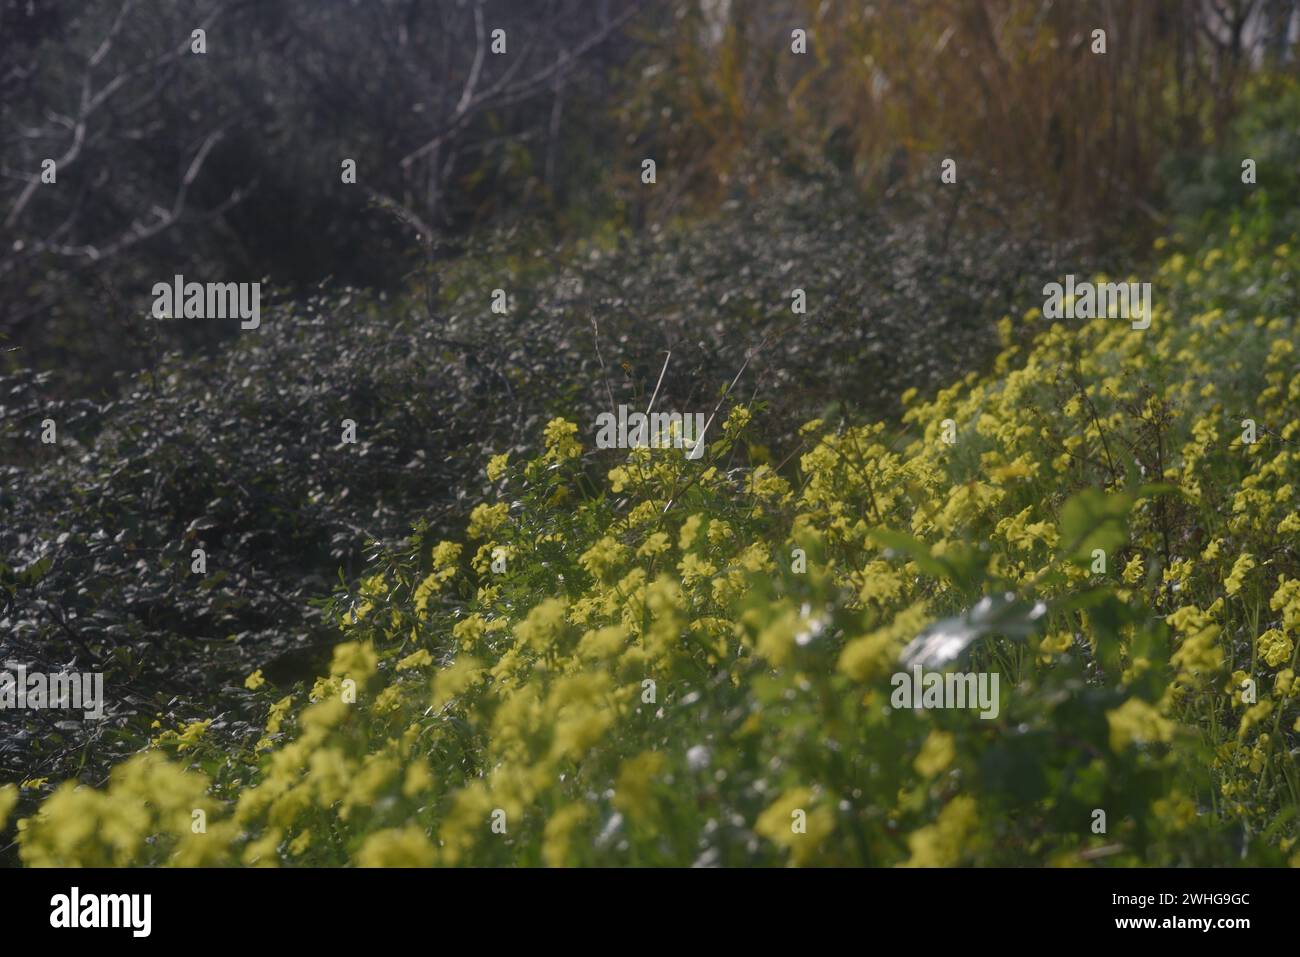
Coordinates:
908 292
241 454
474 715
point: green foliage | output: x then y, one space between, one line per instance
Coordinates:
1205 187
240 453
657 675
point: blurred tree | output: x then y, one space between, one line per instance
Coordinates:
227 163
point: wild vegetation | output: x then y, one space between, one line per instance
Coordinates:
241 454
473 637
679 655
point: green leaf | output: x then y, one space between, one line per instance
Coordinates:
914 548
31 574
1094 519
947 640
1108 616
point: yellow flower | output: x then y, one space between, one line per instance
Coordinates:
329 772
656 543
544 624
299 845
1237 576
766 485
873 654
416 659
148 804
695 569
485 519
1254 715
466 820
193 734
936 754
458 677
737 419
1057 643
397 847
633 791
1275 647
619 479
496 466
263 851
1178 573
690 528
797 822
1176 811
389 700
1287 600
776 641
469 630
578 730
276 715
558 835
604 557
368 782
8 799
356 660
418 778
444 555
1137 721
255 680
942 843
602 643
1199 656
561 440
756 558
1020 468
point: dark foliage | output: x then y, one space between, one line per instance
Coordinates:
227 164
241 453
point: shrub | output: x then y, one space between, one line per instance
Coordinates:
240 453
656 678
